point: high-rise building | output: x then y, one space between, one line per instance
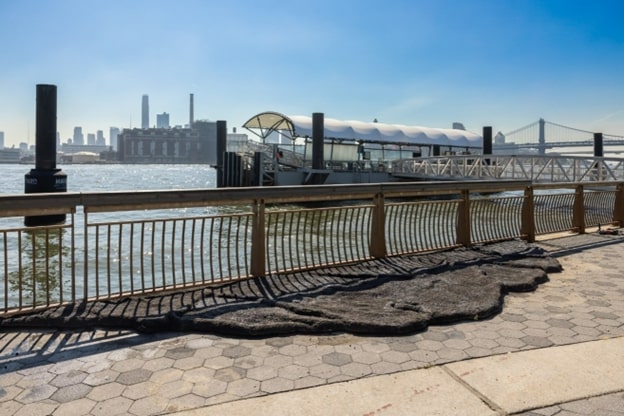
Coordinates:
99 138
78 136
1 140
162 121
91 139
191 111
114 132
145 112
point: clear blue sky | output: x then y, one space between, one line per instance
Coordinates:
503 63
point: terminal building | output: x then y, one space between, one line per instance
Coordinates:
166 145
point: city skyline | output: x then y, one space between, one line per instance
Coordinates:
501 63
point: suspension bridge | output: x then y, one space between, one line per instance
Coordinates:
521 155
544 135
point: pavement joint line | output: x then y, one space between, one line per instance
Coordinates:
490 403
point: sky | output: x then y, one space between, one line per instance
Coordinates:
499 63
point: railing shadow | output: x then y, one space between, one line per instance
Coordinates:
26 348
572 244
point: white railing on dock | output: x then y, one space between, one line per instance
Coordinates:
535 168
118 244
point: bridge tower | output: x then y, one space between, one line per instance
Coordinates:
542 137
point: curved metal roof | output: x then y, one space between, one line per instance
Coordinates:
263 124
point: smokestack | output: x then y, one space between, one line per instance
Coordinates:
191 113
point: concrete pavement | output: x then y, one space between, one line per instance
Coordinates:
559 350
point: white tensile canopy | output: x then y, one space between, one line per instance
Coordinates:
264 124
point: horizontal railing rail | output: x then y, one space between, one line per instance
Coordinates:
116 244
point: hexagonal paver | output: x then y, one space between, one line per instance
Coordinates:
179 352
365 357
293 372
230 374
175 389
186 402
105 391
158 363
140 390
189 363
134 377
293 350
278 361
309 381
75 407
128 365
276 385
114 406
337 358
262 373
198 375
243 387
150 405
236 351
356 370
325 371
279 342
166 375
430 345
218 362
69 378
395 357
71 393
424 356
101 377
210 388
36 393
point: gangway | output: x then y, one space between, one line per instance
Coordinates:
536 168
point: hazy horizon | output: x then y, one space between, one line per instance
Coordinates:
501 63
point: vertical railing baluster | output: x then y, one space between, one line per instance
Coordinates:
463 219
618 207
578 210
258 243
377 240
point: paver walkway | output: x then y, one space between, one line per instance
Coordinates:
122 372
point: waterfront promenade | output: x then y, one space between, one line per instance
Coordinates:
553 351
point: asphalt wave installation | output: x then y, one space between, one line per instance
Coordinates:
391 296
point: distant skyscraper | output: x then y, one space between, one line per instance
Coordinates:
114 131
162 121
91 139
99 138
145 112
191 111
78 136
1 140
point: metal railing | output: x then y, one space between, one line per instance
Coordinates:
555 168
118 244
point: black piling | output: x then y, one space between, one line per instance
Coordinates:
598 147
487 143
45 177
221 149
318 142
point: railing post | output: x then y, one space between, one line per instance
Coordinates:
618 208
527 228
578 211
258 241
463 220
378 231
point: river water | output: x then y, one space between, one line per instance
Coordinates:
117 177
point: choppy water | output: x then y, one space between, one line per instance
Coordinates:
117 177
